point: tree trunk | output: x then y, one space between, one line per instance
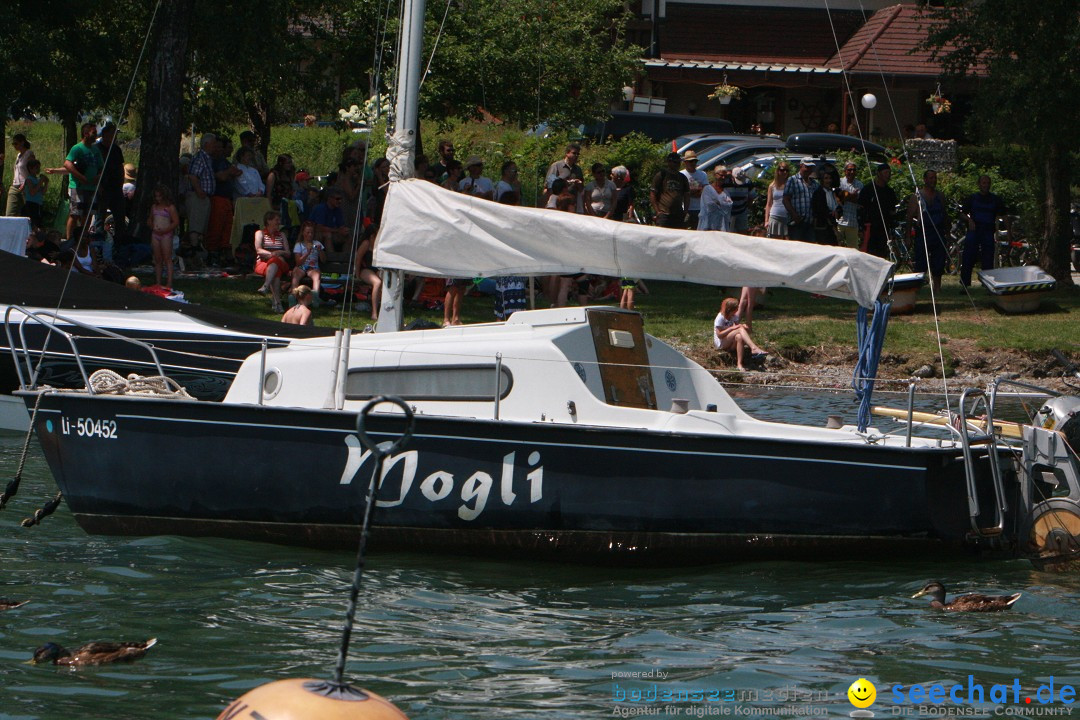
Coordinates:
163 115
1057 230
259 118
71 132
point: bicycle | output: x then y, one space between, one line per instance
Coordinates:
954 243
900 251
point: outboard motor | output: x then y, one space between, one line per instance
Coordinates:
1062 414
1051 466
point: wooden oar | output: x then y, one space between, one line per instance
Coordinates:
1001 427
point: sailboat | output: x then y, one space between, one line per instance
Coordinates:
55 327
567 433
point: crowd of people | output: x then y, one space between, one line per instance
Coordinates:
93 173
229 207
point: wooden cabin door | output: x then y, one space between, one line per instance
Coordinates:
619 340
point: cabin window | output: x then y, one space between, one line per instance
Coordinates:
474 383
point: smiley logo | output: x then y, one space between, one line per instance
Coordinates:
862 693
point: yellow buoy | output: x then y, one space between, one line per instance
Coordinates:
305 698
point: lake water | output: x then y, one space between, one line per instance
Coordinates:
463 638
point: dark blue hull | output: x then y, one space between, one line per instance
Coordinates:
150 467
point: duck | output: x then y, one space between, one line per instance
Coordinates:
9 604
966 603
95 653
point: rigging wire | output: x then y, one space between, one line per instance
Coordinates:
919 202
911 173
435 46
105 160
13 486
382 21
382 25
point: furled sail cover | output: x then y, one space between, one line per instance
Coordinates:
433 232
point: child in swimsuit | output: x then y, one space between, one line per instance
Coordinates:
308 253
163 222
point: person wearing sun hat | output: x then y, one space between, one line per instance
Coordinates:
742 193
798 199
475 184
698 180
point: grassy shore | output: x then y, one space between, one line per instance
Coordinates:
807 333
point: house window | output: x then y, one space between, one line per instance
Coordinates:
475 383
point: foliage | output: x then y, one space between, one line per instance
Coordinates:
363 115
251 59
1029 54
724 90
66 60
939 103
318 149
528 61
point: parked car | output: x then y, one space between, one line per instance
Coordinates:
699 142
660 127
817 143
733 152
821 146
757 165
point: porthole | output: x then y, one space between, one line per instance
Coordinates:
271 383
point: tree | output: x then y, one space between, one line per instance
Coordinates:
251 58
1030 54
162 120
528 61
72 59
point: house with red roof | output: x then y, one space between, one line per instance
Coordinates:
801 64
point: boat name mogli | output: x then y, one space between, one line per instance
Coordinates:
438 485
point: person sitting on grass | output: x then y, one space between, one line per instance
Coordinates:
366 272
300 313
729 333
272 257
308 254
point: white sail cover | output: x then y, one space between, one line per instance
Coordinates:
429 231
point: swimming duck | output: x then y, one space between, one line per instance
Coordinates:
96 653
966 603
8 604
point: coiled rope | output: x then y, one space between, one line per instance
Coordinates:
107 382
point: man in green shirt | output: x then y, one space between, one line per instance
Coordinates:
83 165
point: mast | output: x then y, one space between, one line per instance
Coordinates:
402 146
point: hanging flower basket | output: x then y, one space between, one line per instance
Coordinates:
725 93
939 104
